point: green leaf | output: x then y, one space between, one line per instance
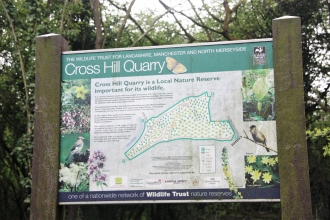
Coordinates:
260 89
259 106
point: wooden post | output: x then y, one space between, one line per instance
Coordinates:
45 166
290 118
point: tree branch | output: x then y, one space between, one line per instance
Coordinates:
199 24
263 145
319 103
212 15
151 27
200 19
128 12
27 97
227 21
136 23
62 16
190 37
105 33
143 32
234 9
97 21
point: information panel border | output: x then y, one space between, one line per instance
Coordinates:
121 107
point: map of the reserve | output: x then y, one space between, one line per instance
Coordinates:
188 119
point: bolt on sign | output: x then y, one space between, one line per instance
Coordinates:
174 123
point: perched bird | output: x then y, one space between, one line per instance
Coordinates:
76 147
258 136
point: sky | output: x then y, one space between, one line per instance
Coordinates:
178 5
154 4
141 5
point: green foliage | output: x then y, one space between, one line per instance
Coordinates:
319 168
321 135
73 177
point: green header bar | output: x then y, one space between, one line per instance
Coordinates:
192 58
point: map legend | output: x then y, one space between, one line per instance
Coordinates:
206 159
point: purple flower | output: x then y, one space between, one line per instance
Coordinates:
96 163
101 177
92 168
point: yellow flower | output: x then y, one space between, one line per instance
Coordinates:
251 159
81 92
276 159
225 171
264 160
272 161
248 169
255 175
266 177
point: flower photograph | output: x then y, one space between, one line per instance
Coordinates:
258 95
75 103
74 154
95 165
261 171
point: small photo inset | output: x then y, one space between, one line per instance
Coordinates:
74 157
258 95
261 171
75 106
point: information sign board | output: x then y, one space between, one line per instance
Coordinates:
175 123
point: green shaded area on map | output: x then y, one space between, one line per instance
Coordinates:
188 119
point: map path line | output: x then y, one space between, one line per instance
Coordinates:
190 118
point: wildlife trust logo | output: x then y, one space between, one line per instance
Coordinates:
259 55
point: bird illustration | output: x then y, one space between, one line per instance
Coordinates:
258 136
78 145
